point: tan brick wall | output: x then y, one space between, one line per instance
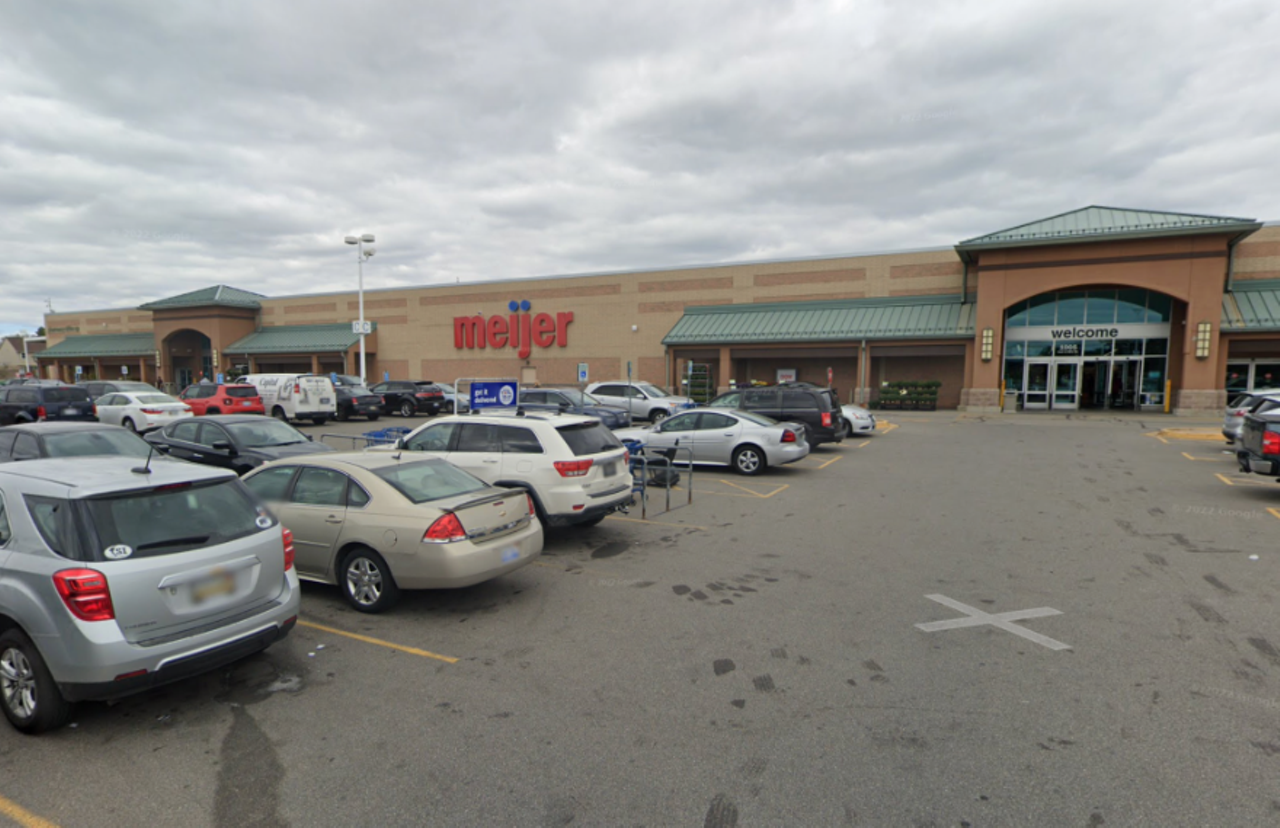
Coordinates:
676 307
319 307
667 286
377 304
815 297
853 274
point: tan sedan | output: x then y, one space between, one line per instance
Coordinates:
377 523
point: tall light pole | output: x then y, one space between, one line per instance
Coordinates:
362 253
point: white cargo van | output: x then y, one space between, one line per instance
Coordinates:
296 396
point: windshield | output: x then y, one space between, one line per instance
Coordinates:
66 395
426 480
758 419
91 443
579 397
651 390
348 380
265 432
136 386
155 399
589 438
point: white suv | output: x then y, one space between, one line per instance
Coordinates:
575 468
644 400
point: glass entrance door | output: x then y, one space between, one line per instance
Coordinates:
1035 388
1124 384
1066 385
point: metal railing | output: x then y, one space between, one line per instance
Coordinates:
647 463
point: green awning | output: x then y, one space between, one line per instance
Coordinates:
924 317
297 339
1252 307
101 345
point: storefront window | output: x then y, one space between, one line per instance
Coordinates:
1266 375
1040 309
1237 377
1017 315
1097 347
1013 374
1128 347
1101 307
1131 306
1159 307
1039 349
1071 308
1015 349
1153 376
1157 347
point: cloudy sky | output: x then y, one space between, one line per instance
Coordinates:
149 148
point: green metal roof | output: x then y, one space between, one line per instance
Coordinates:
101 345
1252 306
923 317
297 339
221 295
1106 224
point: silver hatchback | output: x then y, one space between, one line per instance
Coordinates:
1242 405
116 577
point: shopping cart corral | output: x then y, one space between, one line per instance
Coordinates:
351 442
654 467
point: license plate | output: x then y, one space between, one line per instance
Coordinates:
609 469
69 411
247 403
324 400
222 583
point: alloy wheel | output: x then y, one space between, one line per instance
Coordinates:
17 683
364 581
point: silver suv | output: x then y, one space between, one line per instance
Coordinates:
129 577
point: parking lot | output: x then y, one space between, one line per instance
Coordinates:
776 652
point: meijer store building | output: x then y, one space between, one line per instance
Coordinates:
1098 308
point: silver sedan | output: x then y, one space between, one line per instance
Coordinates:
748 442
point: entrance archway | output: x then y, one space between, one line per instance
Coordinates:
188 355
1095 347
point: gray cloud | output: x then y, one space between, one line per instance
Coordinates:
152 148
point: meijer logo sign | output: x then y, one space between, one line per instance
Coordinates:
517 330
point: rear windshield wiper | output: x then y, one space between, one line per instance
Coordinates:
174 542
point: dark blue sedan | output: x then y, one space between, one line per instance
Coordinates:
573 401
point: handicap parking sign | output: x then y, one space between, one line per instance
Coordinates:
582 372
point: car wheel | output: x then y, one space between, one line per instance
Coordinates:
128 423
279 414
848 430
343 415
448 408
30 698
587 524
748 460
367 583
373 417
407 409
657 415
319 420
213 411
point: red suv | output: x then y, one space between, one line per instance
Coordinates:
209 398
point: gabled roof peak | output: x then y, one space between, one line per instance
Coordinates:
221 295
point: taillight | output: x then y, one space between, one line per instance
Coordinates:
288 548
1270 442
573 468
826 419
86 594
1240 412
228 402
41 413
788 436
149 411
422 396
533 510
446 529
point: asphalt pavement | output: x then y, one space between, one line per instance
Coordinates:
1099 646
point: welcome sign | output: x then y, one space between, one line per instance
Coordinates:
1055 333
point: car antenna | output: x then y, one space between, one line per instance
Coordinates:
146 468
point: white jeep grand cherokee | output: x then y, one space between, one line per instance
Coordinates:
575 468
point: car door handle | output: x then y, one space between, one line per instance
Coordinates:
195 454
333 519
728 434
489 461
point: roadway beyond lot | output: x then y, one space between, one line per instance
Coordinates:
756 659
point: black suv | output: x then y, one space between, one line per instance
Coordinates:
815 408
34 403
409 398
100 388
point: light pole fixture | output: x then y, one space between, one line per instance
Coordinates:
1204 339
361 327
988 344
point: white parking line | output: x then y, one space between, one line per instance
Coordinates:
1004 620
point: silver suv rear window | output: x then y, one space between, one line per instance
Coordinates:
589 438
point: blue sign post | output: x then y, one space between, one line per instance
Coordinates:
496 394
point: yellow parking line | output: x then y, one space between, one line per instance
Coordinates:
22 816
1201 459
1206 434
369 640
757 494
832 460
1224 479
890 427
864 444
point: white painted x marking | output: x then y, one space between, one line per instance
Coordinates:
1004 620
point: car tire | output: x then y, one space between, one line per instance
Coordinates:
373 417
448 408
28 694
366 581
408 409
657 415
319 420
213 411
128 423
748 460
343 415
848 430
279 414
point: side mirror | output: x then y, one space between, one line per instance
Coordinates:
564 406
310 439
223 445
399 446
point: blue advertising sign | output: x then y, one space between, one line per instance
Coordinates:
494 394
222 378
